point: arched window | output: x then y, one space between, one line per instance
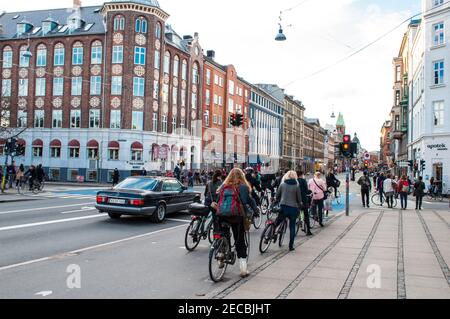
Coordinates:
184 70
176 66
140 25
58 54
77 53
195 74
96 52
24 59
7 57
119 23
41 56
158 30
167 62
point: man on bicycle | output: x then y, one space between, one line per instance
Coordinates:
31 174
249 176
333 182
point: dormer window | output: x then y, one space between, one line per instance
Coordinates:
48 26
75 23
23 27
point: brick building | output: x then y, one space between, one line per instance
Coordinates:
105 86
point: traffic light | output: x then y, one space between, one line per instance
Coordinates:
422 165
233 119
366 164
411 164
239 120
346 146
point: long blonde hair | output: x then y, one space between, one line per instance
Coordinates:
235 178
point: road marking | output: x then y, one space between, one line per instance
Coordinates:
179 220
78 251
83 209
44 293
42 208
50 222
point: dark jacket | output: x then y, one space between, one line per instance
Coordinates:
304 191
331 180
115 176
419 189
365 183
288 194
211 192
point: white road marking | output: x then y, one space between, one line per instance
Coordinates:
83 209
44 293
50 222
42 208
179 220
78 251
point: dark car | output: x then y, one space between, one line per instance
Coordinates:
146 196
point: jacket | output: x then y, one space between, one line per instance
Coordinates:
304 191
318 187
288 194
211 192
387 185
419 189
400 185
364 181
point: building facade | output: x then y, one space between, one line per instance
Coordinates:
385 145
293 132
109 86
429 102
314 146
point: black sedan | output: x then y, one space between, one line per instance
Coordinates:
146 196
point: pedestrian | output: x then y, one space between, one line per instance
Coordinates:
177 172
319 189
333 182
389 185
40 174
306 203
380 189
143 172
403 189
234 198
11 173
290 199
419 192
20 173
366 187
115 177
190 179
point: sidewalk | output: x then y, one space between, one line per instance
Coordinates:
9 197
373 253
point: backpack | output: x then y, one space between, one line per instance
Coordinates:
365 183
229 204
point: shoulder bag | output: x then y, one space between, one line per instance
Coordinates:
325 193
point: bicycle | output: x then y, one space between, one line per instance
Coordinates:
37 186
336 198
434 193
272 233
200 228
257 220
222 253
21 185
376 199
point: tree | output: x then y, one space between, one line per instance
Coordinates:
6 129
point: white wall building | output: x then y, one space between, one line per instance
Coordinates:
429 81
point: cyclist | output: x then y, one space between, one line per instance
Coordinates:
319 189
333 182
290 199
250 177
211 195
303 185
31 174
40 174
267 184
366 187
237 182
380 189
419 192
389 186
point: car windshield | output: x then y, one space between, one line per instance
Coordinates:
148 184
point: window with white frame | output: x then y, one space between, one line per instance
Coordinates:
184 70
139 55
96 85
117 54
41 56
76 85
115 119
39 118
156 89
206 118
40 87
438 33
439 113
7 57
55 151
22 118
138 86
231 87
438 72
137 120
208 97
6 87
77 55
75 118
37 151
219 120
216 99
155 122
58 86
216 79
220 81
23 87
113 154
214 119
195 74
92 153
24 61
167 62
164 124
94 118
136 155
96 53
119 23
176 66
157 59
174 124
74 152
220 100
58 55
116 85
230 105
438 2
56 118
208 76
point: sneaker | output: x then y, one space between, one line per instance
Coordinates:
243 267
368 206
291 248
309 234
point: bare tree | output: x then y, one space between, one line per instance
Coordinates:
6 129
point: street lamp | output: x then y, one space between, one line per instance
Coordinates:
280 36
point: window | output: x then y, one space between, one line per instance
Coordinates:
164 124
96 54
439 35
137 120
438 2
156 89
138 86
194 100
208 97
23 87
174 124
76 85
57 118
58 86
155 122
397 98
207 118
39 118
139 55
439 113
231 87
92 153
5 119
115 119
6 87
230 105
119 23
117 54
136 155
220 82
220 120
216 79
75 118
116 85
208 76
24 60
214 119
37 151
174 96
22 119
140 25
183 98
94 118
74 152
55 152
157 60
439 72
77 55
220 101
165 93
195 75
176 66
7 58
96 85
113 154
158 30
59 52
184 70
167 62
40 87
41 56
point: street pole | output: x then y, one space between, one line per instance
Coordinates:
347 189
5 171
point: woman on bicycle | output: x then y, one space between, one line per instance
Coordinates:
318 187
290 199
236 180
332 181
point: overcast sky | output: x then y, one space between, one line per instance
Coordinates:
242 33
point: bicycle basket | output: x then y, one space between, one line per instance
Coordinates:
198 209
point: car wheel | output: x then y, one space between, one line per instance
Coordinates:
197 199
114 215
160 214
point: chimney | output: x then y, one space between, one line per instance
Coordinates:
187 37
211 54
76 3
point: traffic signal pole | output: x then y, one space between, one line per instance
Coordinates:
347 188
5 171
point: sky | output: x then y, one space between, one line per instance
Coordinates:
319 33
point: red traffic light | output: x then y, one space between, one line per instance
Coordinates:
346 138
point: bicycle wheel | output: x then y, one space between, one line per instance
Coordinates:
257 221
192 237
41 186
217 259
376 199
312 219
282 233
210 231
266 238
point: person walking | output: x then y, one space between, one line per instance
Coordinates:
115 177
319 189
143 172
236 186
20 174
380 189
366 187
389 186
177 172
11 173
303 185
332 181
290 199
403 189
419 192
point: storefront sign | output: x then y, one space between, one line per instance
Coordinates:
439 147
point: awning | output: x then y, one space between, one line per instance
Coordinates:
74 144
137 146
37 143
55 143
21 141
113 145
92 144
2 142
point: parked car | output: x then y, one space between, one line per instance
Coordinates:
146 196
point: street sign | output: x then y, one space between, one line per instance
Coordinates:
403 164
367 156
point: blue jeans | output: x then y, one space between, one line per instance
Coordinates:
404 199
291 213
